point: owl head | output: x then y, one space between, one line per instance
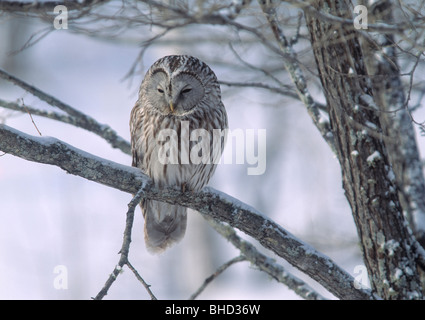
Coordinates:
176 84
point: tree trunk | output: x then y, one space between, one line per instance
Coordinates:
381 63
368 178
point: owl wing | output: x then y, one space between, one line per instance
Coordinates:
136 123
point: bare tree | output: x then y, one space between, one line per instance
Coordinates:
362 58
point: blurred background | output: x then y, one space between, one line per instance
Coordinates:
50 218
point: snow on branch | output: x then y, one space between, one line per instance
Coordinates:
209 202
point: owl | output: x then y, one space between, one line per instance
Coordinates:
178 131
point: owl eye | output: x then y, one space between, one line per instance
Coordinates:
186 90
160 90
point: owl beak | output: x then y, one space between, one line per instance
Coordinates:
171 107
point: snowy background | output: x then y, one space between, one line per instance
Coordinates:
50 218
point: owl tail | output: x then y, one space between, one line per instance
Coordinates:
165 224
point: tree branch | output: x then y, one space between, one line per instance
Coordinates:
79 119
296 74
219 271
265 263
209 202
258 259
380 27
125 249
43 6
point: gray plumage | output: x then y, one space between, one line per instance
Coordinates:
179 97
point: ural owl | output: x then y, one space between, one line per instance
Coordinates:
178 129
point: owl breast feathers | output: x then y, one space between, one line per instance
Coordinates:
178 130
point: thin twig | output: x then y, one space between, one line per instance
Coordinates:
26 109
264 263
378 27
82 120
43 6
296 74
219 271
34 39
255 68
143 282
144 46
125 249
284 90
41 113
409 91
294 39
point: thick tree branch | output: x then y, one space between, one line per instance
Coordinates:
258 259
209 202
